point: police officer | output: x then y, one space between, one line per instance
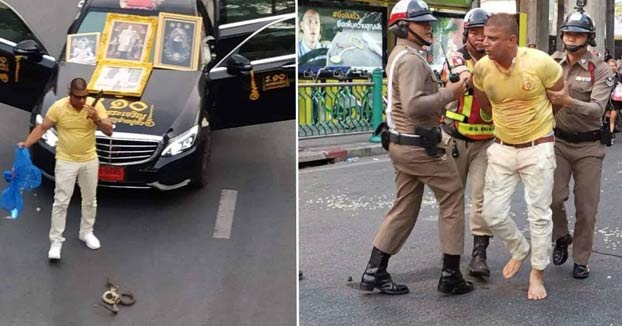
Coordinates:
578 149
471 132
413 114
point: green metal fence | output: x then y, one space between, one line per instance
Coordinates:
339 107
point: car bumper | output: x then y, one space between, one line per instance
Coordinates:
162 173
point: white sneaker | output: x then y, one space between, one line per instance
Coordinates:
54 253
90 240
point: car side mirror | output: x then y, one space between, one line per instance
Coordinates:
29 49
238 65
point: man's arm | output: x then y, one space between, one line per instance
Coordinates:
595 107
412 88
558 95
558 85
480 95
101 120
484 102
105 125
37 133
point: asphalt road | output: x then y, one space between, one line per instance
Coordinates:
340 209
161 245
158 245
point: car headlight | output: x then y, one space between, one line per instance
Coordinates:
181 142
50 137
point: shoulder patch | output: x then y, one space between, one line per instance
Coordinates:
457 61
609 81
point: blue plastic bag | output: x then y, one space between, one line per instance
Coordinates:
24 176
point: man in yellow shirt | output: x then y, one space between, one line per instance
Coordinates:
511 83
76 159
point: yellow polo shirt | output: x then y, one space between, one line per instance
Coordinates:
521 110
76 132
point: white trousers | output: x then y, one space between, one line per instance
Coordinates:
535 167
66 174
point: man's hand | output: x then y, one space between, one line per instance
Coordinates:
21 144
560 98
458 87
91 113
467 75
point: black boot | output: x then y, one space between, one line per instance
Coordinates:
560 253
452 281
580 271
478 267
376 276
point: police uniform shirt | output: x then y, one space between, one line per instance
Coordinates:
417 100
591 89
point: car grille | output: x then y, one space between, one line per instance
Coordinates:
125 152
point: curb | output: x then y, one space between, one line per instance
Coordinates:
338 154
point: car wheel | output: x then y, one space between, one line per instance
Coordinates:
199 177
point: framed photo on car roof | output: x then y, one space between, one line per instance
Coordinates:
177 42
82 48
120 78
127 38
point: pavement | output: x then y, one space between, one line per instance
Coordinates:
337 148
341 206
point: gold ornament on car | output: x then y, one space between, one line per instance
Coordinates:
254 96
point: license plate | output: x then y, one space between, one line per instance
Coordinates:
111 173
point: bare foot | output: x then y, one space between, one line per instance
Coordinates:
511 268
536 285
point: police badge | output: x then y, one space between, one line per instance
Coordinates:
610 81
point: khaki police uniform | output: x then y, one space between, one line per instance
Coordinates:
578 150
417 101
471 134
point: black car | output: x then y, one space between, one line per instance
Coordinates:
161 139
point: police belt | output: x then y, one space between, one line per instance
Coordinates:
405 139
578 137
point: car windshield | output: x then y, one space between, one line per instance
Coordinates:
93 22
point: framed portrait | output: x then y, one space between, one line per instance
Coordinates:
82 48
128 38
177 42
120 78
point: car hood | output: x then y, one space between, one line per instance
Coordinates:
170 102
